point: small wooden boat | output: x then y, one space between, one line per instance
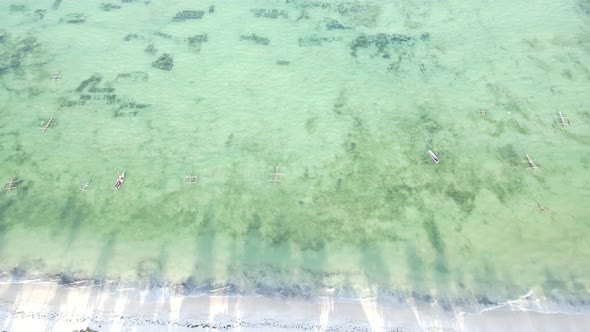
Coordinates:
563 120
120 180
532 163
433 156
45 125
85 187
276 175
10 186
191 179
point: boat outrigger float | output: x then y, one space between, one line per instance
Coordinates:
433 156
120 180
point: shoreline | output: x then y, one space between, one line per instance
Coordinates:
52 307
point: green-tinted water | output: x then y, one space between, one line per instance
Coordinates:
345 98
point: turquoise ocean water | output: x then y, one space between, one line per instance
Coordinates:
346 98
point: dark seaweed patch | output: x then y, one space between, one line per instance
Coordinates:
434 235
164 62
350 7
310 4
128 109
163 35
92 82
188 15
15 56
73 18
63 102
521 129
508 154
554 288
314 40
314 243
4 206
256 39
282 231
381 41
584 6
40 13
229 140
197 40
150 271
396 196
311 125
131 36
101 90
415 263
465 199
151 49
506 187
134 105
18 273
17 8
269 13
132 77
56 4
332 24
65 279
107 7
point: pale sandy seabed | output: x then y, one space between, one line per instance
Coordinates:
365 231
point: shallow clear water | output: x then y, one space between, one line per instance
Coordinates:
345 98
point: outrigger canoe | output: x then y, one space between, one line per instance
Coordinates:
433 156
120 180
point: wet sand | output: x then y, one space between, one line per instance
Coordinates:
49 307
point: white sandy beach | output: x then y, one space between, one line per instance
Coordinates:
48 307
